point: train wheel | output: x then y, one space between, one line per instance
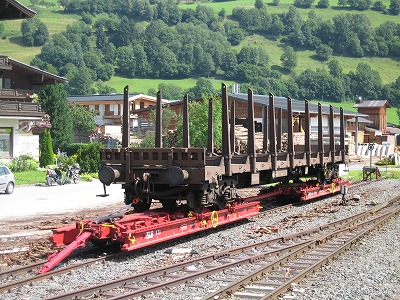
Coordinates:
194 202
169 205
141 205
128 197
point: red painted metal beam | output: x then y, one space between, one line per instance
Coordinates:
144 229
56 258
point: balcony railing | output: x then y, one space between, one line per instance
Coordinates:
18 108
21 95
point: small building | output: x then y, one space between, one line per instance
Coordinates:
376 111
110 108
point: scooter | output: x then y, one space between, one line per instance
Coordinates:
54 177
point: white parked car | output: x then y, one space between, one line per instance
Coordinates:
7 180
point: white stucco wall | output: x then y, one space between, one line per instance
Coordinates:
23 143
27 144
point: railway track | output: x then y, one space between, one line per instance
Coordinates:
27 274
262 270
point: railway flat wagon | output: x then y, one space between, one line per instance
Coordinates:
203 177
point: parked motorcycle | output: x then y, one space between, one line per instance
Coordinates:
54 177
72 174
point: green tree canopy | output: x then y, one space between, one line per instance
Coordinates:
83 119
46 149
289 58
54 102
198 123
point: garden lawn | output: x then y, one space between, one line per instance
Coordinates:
30 177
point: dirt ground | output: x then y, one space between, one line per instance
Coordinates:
25 240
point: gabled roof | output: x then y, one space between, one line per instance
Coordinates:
12 9
372 103
361 120
297 105
45 77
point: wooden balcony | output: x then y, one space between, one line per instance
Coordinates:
20 95
20 109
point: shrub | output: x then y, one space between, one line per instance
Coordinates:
23 163
88 157
65 161
385 161
87 177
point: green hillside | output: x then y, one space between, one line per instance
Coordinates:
56 20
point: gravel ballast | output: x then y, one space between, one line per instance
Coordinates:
368 271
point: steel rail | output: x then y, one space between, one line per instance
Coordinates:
226 255
323 247
29 268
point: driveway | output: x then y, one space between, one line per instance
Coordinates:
41 199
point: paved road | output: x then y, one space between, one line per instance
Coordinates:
36 200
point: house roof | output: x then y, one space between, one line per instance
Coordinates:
393 130
372 103
44 76
297 105
12 9
360 120
109 98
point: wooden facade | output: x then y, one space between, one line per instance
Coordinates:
376 111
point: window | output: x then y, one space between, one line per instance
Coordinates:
5 142
6 83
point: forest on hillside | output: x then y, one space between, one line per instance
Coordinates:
159 39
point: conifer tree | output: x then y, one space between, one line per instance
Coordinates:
54 102
46 149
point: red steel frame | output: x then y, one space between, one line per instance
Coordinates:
140 230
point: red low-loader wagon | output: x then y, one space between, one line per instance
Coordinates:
138 230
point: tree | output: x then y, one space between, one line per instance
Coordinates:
46 150
202 88
378 6
198 123
125 61
334 68
303 3
366 82
394 7
53 100
324 52
171 91
142 66
34 32
259 4
80 81
83 119
323 4
41 35
2 28
289 58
